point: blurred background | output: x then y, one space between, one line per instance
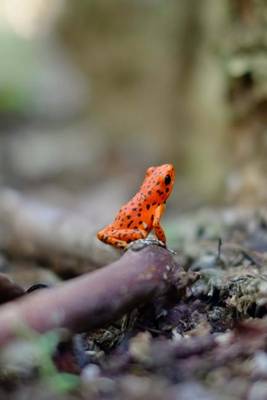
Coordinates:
92 92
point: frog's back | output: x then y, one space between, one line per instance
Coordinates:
155 189
134 213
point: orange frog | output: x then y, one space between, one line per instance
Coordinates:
142 214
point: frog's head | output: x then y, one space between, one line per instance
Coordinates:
161 180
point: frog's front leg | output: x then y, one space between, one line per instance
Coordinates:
159 232
120 238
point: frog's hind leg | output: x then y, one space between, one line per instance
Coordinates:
120 244
120 238
128 235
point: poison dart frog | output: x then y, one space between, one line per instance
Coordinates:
137 218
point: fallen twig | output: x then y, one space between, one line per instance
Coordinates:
63 239
9 290
94 299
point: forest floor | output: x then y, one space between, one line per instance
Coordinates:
205 337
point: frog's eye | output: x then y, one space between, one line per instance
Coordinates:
167 180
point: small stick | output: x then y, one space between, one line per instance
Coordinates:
63 239
219 248
94 299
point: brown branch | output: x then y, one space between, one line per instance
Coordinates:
94 299
63 239
9 290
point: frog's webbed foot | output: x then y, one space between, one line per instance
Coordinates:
140 244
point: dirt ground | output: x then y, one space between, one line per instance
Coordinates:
205 337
